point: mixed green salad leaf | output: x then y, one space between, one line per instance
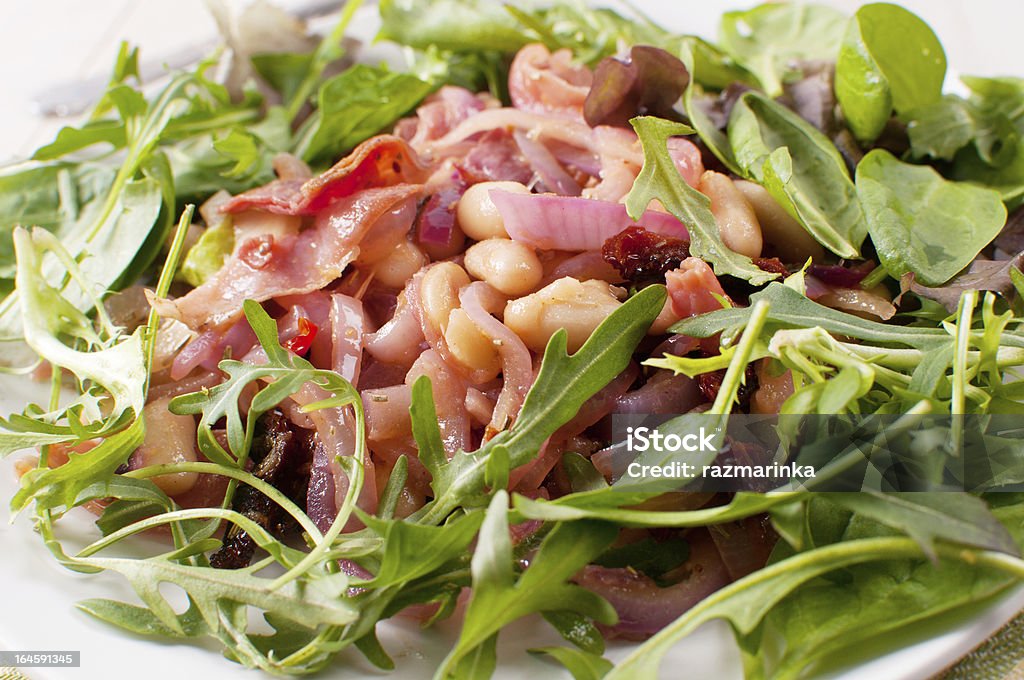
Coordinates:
102 200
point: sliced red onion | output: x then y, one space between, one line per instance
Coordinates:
387 412
834 275
571 156
516 363
320 493
203 348
663 393
204 380
574 224
586 266
644 607
553 175
744 546
449 390
397 341
335 429
347 327
436 222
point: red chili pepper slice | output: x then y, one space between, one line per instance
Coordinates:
303 340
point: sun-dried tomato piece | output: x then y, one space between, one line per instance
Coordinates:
640 255
772 265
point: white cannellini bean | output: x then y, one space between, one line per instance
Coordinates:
397 268
510 267
578 307
477 214
169 438
737 222
439 292
778 228
666 318
470 347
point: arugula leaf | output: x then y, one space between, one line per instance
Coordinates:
583 665
770 38
354 105
889 59
801 169
498 597
415 550
108 364
58 488
954 517
660 179
610 505
288 374
792 310
561 388
577 629
712 67
922 223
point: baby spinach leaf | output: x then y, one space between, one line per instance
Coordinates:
52 196
355 104
450 24
827 617
693 102
660 179
801 169
922 223
770 39
942 128
716 69
889 59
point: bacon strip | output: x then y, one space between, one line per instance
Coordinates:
380 161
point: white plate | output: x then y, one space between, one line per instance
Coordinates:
38 595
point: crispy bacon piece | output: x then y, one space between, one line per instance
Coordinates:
639 254
380 161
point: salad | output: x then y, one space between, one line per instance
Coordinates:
374 374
